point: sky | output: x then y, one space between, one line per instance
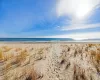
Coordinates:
77 19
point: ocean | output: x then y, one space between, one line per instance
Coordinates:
33 39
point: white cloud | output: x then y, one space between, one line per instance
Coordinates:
80 26
79 12
76 9
79 36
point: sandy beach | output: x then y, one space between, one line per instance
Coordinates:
49 61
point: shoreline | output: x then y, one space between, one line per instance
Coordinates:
33 42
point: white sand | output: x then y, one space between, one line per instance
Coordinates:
50 61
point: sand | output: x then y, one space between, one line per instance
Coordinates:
49 61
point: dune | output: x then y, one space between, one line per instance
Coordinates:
50 61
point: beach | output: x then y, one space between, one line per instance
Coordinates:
49 61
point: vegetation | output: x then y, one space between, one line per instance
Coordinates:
95 52
22 56
1 55
6 48
16 59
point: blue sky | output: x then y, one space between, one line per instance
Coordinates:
78 19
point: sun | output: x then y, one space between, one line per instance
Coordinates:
82 11
78 9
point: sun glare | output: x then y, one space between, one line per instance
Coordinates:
83 11
78 9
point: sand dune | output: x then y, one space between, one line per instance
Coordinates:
49 61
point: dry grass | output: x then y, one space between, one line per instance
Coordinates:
11 60
16 58
18 49
4 55
40 51
95 53
1 55
30 73
22 56
97 56
6 48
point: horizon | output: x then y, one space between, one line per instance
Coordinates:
77 20
71 39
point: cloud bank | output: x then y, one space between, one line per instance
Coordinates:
79 36
80 26
76 8
79 12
